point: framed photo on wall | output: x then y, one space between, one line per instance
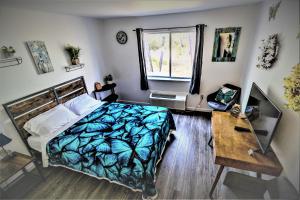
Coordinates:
40 56
226 44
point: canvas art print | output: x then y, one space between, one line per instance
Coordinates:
40 56
226 44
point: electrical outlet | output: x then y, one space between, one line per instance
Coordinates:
201 99
201 96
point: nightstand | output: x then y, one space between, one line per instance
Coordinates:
15 180
110 98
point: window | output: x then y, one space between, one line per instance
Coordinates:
169 54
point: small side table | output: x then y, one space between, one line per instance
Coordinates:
110 98
18 187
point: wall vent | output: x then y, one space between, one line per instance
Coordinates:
168 99
165 96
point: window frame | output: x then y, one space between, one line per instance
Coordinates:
170 31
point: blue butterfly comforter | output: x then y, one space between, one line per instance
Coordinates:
119 142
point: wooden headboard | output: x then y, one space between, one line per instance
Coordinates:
23 109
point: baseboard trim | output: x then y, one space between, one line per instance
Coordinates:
136 102
187 108
199 109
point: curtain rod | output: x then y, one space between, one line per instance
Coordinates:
152 29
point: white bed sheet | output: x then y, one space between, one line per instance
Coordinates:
39 143
35 143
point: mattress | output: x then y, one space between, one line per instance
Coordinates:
35 143
118 142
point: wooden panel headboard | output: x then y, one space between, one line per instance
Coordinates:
68 91
23 109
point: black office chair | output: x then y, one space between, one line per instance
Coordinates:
221 106
218 106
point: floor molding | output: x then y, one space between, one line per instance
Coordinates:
134 102
199 109
189 108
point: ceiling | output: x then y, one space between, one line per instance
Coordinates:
122 8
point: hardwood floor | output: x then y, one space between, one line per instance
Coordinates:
185 172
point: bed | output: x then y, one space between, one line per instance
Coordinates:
118 142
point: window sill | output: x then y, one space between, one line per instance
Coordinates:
169 79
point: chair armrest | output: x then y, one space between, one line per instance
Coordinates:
212 96
235 99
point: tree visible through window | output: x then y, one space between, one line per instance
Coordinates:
169 54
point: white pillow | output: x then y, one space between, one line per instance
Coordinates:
50 121
81 104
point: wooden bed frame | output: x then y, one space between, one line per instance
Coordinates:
23 109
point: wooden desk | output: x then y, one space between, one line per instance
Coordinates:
231 148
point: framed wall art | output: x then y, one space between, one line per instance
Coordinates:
40 56
226 44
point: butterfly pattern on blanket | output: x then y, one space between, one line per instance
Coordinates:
119 142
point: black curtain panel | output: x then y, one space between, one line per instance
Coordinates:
197 65
144 80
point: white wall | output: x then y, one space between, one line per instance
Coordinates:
287 139
122 60
18 26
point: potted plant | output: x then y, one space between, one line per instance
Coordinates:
74 53
8 52
108 79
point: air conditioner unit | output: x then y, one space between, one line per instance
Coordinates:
173 100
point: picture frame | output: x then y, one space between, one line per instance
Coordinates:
226 44
40 56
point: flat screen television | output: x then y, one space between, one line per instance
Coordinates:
263 116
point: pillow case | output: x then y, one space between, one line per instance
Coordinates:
225 95
81 104
49 121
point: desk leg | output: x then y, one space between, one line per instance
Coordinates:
210 143
39 171
258 175
216 181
